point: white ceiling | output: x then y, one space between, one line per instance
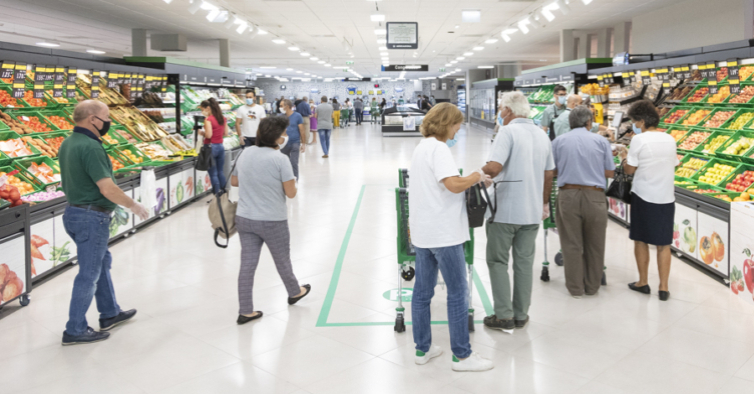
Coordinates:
316 26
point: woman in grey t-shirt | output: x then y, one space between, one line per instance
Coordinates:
265 178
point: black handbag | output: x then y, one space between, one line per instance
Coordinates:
620 189
204 158
476 205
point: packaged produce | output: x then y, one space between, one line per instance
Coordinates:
712 145
747 93
154 151
14 125
44 173
34 102
10 193
34 124
722 73
13 180
60 122
690 167
739 147
6 100
741 182
720 96
696 117
693 140
715 174
677 134
675 116
698 95
718 119
15 148
41 146
741 121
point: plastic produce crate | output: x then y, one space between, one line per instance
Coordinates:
734 113
696 131
678 132
24 165
699 88
721 95
685 160
118 129
60 113
732 98
112 139
23 117
666 119
10 135
21 102
695 113
743 118
121 149
715 133
701 186
734 139
24 177
49 104
741 168
65 100
710 164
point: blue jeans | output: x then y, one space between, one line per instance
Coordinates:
216 172
292 150
90 230
324 139
451 263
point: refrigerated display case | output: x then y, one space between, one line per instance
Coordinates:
402 121
483 100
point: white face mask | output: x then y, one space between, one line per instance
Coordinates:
282 110
285 141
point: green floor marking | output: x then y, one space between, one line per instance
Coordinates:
330 297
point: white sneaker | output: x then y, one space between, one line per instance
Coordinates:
423 358
474 363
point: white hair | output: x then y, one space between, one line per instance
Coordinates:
517 103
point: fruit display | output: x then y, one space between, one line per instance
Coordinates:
34 102
15 148
680 93
41 146
722 73
35 124
7 101
594 89
676 116
741 121
154 151
718 119
116 164
14 125
741 182
745 72
132 157
712 145
704 191
110 140
11 194
13 180
54 143
698 95
663 111
739 147
60 122
176 143
693 140
106 95
126 136
44 173
690 167
11 286
137 123
720 96
696 117
747 93
715 174
59 100
677 134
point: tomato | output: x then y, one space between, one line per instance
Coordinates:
734 287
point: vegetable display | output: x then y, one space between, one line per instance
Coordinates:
11 286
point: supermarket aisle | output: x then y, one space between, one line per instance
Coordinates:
185 339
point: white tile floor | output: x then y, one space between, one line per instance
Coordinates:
185 339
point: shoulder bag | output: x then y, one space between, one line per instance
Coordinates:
476 205
620 189
204 158
222 212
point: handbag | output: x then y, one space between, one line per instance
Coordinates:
222 213
620 189
476 205
204 158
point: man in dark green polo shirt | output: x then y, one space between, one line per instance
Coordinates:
87 180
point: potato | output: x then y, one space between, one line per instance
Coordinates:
13 288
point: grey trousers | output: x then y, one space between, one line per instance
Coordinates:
254 234
581 216
291 149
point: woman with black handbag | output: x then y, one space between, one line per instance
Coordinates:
215 129
652 160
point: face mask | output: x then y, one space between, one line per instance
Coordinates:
105 127
285 141
499 120
562 99
282 110
637 130
452 142
249 101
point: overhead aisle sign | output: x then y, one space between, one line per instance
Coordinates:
402 35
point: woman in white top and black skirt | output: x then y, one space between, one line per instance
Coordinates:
652 159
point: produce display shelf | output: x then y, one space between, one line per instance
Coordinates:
733 113
710 164
60 113
24 177
665 119
120 149
693 118
24 165
11 135
747 152
21 101
27 116
685 160
715 133
693 92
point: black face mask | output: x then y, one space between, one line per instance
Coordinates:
105 126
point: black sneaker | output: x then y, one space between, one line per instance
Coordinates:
497 324
522 323
293 300
90 336
122 317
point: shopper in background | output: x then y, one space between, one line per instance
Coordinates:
335 113
652 159
215 129
358 108
304 110
562 123
432 100
247 119
349 108
313 121
93 195
550 113
521 164
265 178
296 132
383 104
439 228
583 160
374 110
324 114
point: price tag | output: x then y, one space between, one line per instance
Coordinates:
128 79
70 87
59 82
19 80
164 87
6 72
646 79
601 81
50 74
95 83
733 79
40 73
112 80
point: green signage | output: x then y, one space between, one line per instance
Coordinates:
349 62
442 70
392 295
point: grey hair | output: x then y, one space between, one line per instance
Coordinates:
580 117
288 103
86 109
517 103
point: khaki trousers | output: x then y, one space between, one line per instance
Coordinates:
307 131
581 216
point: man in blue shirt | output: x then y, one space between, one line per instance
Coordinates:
582 160
303 108
296 134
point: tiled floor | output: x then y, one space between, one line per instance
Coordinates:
185 339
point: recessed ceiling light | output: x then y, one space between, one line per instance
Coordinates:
510 31
448 64
314 58
453 61
48 44
468 54
506 37
268 75
383 53
377 17
295 49
382 41
478 48
305 54
259 75
94 51
307 74
457 70
278 41
471 16
299 72
267 67
328 65
485 67
491 41
288 69
321 62
457 26
261 32
382 48
380 32
460 58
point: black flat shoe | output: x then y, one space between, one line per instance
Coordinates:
122 317
664 295
641 289
293 300
245 319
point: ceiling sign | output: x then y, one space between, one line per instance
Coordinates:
402 35
406 67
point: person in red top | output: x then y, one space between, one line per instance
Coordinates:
215 128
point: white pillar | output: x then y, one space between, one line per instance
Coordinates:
583 46
224 52
138 42
603 43
567 46
622 37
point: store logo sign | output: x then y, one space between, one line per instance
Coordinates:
405 293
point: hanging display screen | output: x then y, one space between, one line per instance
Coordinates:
402 35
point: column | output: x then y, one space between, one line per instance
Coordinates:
567 45
224 52
583 46
138 42
603 43
621 37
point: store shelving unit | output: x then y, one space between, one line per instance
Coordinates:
482 100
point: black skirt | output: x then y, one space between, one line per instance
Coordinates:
651 223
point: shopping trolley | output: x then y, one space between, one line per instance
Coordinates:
407 254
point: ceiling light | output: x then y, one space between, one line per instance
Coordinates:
382 41
195 6
468 54
453 61
96 52
259 75
321 62
261 32
485 67
288 69
479 48
253 32
586 2
267 75
241 28
457 26
448 65
457 70
314 58
299 72
547 12
491 41
295 49
230 22
506 38
267 67
305 54
382 49
459 58
307 74
217 16
278 41
522 26
328 65
563 7
510 31
383 53
377 17
471 16
380 32
48 44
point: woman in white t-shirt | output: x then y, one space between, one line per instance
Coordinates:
439 228
652 159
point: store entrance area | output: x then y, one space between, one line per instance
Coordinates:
340 338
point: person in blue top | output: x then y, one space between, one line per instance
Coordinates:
303 108
296 133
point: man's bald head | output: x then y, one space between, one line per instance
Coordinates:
574 100
87 108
